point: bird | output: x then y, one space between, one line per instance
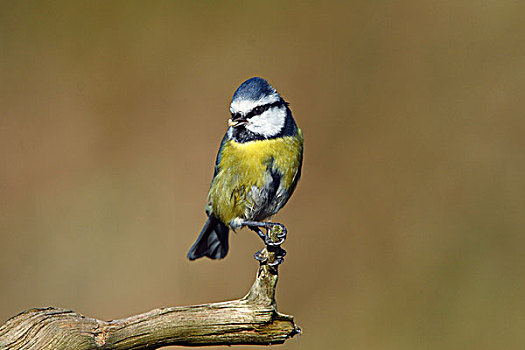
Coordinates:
256 170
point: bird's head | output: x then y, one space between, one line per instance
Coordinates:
257 110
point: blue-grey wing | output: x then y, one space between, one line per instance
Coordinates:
219 153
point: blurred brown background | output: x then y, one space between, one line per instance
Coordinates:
407 229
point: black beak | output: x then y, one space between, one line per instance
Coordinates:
237 119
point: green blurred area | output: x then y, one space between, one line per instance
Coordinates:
406 230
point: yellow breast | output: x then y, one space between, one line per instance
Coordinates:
243 165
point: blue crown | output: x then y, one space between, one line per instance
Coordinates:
253 89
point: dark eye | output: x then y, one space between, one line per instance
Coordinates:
258 110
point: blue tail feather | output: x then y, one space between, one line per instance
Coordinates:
212 241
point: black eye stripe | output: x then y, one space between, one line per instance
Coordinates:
258 110
261 109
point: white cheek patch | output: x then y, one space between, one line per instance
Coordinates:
269 123
245 106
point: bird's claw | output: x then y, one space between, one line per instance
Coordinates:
260 257
278 252
272 246
283 233
279 256
269 242
281 236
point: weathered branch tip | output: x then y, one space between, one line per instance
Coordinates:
253 320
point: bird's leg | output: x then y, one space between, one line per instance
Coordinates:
272 246
258 255
259 232
256 226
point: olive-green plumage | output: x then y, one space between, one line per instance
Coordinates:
243 165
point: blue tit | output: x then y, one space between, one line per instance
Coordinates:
256 171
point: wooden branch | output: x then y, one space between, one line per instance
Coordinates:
252 320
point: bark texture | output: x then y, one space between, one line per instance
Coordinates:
253 320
